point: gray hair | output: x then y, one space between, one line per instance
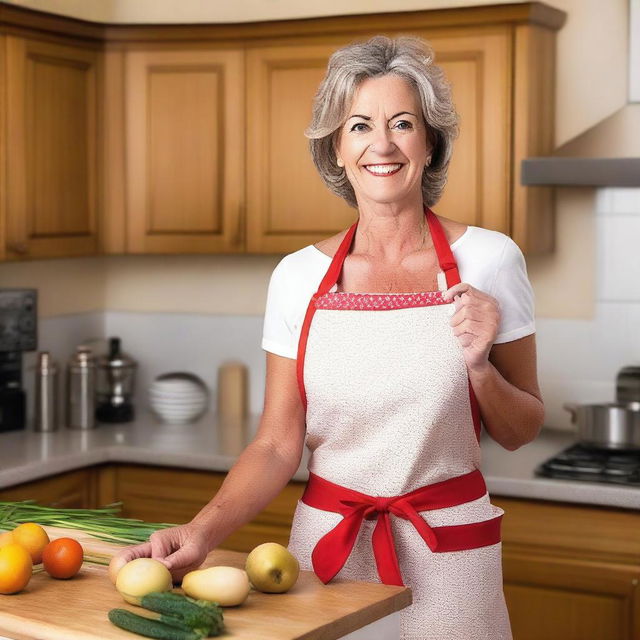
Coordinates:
408 57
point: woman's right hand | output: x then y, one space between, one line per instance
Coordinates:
181 549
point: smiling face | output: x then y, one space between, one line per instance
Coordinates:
383 142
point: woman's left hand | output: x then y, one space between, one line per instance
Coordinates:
475 323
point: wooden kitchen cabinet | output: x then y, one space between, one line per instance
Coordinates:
184 142
289 207
159 494
70 490
571 572
188 139
50 100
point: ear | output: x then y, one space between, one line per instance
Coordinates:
339 161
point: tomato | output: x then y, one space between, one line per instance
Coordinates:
62 558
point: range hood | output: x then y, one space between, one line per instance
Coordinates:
608 154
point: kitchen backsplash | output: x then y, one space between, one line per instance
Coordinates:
577 359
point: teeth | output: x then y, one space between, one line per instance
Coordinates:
382 168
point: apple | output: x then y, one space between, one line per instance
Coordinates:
271 568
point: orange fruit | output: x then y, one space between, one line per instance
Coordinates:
33 538
15 568
6 538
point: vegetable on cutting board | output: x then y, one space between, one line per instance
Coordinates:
140 577
62 558
102 523
227 586
16 568
180 618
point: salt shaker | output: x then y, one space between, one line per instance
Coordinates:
81 390
46 409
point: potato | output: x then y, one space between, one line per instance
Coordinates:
227 586
142 576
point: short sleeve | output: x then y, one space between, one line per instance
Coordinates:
277 334
514 294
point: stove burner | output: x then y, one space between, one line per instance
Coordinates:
578 462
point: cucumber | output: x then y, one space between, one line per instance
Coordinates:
200 615
151 628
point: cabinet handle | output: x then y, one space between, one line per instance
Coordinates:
21 248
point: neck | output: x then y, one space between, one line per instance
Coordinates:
390 233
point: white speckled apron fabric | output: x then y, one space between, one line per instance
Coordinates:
388 412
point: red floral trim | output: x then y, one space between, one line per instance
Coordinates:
343 300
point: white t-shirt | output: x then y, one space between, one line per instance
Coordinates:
488 260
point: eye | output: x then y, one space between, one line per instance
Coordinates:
403 125
359 127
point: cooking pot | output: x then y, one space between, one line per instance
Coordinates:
607 426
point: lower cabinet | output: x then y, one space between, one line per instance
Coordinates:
570 572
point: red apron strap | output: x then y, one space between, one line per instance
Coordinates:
330 278
446 260
333 272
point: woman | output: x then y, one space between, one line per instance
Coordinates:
382 361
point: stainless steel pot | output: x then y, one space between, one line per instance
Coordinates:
607 426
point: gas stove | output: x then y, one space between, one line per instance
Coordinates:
578 462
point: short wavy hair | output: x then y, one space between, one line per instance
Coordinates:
408 57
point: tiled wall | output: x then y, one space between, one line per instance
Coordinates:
577 359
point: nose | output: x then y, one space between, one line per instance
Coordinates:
382 143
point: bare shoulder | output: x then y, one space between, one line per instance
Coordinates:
330 245
453 230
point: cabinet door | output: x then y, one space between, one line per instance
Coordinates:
288 205
479 69
185 151
51 149
570 599
72 490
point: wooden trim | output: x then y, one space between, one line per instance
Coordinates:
19 18
527 12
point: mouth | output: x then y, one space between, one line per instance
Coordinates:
383 170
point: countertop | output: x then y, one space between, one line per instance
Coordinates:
210 445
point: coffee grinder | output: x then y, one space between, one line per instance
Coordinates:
18 333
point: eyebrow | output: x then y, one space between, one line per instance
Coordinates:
356 115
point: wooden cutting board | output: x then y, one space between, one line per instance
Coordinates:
76 609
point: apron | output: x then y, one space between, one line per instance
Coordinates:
395 493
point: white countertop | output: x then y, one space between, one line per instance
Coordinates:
210 445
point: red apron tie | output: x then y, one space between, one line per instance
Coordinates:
332 550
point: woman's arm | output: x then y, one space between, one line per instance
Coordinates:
507 391
268 463
260 473
503 376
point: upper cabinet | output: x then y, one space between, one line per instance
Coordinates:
51 191
185 136
288 206
182 139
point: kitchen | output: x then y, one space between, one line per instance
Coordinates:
192 299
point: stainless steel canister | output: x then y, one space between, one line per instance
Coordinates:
81 390
46 406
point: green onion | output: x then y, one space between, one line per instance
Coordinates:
102 523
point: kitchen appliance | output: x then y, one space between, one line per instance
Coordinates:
81 389
608 449
116 378
46 405
579 462
18 333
